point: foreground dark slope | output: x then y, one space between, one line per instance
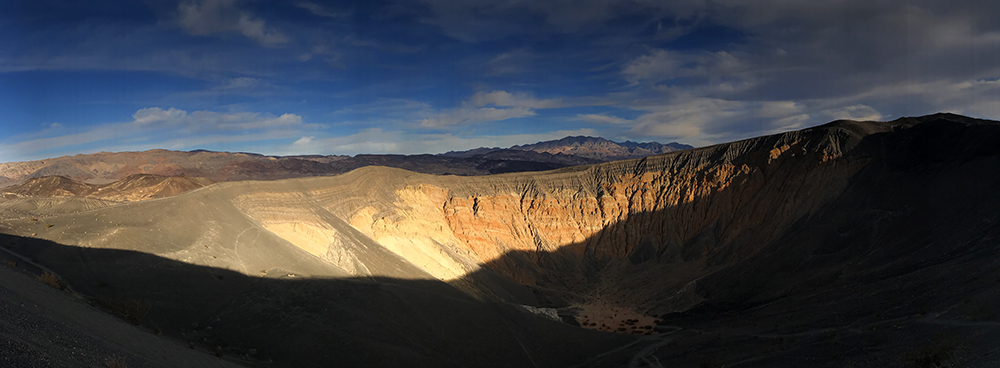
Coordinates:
289 322
44 327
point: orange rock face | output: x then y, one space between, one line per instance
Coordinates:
708 206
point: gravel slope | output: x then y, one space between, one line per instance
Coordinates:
44 327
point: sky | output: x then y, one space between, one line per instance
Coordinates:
311 77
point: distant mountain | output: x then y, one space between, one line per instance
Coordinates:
592 148
109 167
602 149
105 167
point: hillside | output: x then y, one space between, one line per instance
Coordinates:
847 244
132 188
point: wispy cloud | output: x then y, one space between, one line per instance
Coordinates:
156 127
603 119
320 10
703 121
240 82
210 120
507 99
511 62
208 17
661 65
490 106
466 115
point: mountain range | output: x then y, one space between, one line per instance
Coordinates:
105 167
596 148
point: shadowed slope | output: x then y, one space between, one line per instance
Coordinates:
319 322
43 327
899 270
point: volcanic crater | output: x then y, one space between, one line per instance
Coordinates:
847 244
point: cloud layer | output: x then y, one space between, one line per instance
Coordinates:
409 77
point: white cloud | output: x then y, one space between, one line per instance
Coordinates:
248 121
302 142
223 16
156 114
210 120
170 128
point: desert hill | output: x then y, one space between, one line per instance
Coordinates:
132 188
847 244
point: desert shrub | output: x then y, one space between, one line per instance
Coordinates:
52 280
940 353
128 309
115 362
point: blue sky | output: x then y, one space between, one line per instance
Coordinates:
312 77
